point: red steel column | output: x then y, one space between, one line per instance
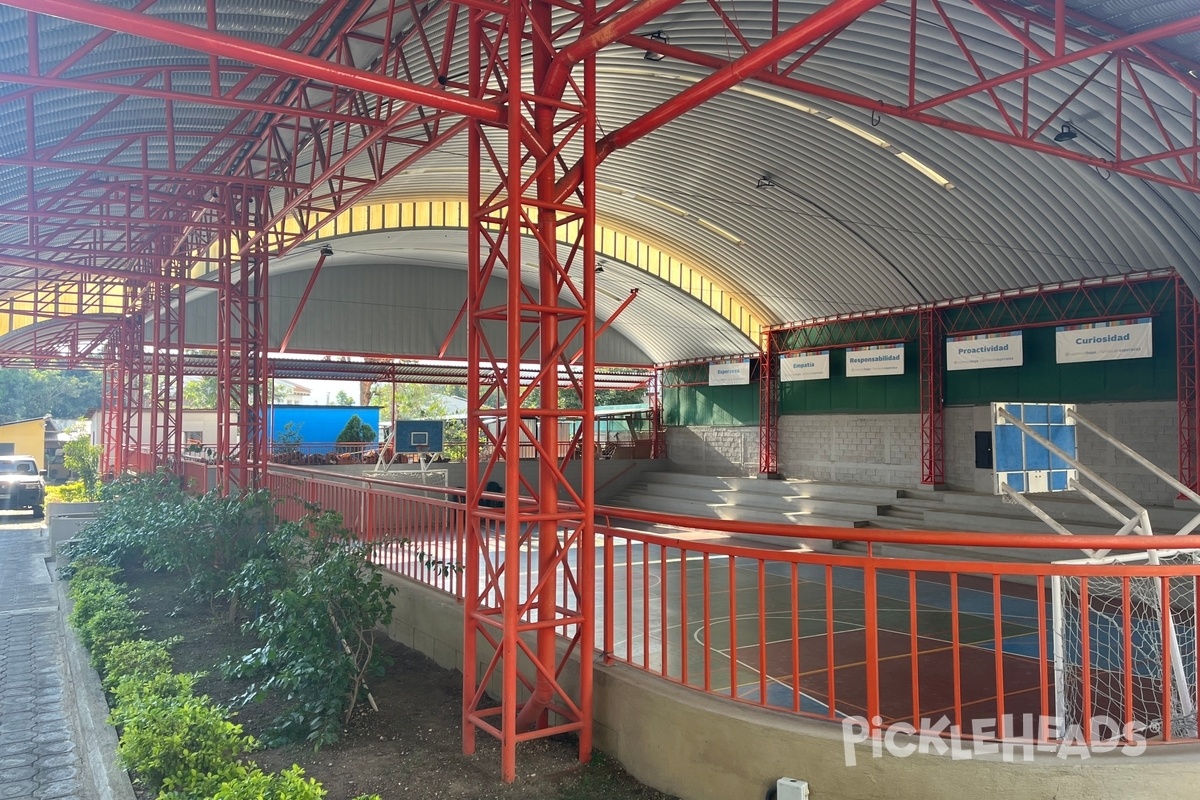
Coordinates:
110 409
933 452
519 611
1187 363
242 350
166 373
132 368
658 445
768 416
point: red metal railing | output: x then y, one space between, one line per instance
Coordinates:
897 641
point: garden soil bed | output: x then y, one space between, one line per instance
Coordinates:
411 748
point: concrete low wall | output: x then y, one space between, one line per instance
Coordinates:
65 520
702 748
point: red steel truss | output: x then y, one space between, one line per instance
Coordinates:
302 118
110 404
1187 350
513 624
768 418
166 374
131 370
1090 55
933 430
658 446
242 372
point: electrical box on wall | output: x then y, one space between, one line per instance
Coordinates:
791 789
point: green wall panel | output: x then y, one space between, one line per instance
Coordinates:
1041 380
722 406
883 394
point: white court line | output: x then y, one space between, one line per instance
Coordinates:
753 668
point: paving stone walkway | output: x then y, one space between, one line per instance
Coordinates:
40 758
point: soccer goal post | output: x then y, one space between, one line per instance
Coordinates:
1125 646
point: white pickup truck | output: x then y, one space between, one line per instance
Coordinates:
22 485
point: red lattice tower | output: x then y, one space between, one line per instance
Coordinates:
515 618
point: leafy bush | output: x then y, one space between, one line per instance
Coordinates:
318 635
132 691
101 614
73 492
210 538
138 660
132 513
82 457
258 785
179 743
356 431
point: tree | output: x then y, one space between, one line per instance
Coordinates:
413 400
343 399
200 393
356 431
83 458
34 393
569 398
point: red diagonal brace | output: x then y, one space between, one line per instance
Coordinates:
836 15
312 280
226 46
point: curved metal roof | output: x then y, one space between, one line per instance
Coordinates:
802 192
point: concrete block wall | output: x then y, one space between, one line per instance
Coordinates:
961 424
1151 429
714 450
879 449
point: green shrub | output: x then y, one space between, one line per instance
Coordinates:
179 743
109 627
101 614
131 514
132 693
210 538
73 492
258 785
318 635
137 659
83 458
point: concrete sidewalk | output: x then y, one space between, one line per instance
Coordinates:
55 743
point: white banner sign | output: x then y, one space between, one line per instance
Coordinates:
812 366
1104 341
984 351
729 373
882 359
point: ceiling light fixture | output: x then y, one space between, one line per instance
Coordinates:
1066 134
661 38
765 182
850 127
326 250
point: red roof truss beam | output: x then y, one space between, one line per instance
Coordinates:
1115 63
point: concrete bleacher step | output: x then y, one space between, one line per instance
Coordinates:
1006 523
726 511
798 488
1066 508
764 495
844 492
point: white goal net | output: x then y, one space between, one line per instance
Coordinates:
1125 652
